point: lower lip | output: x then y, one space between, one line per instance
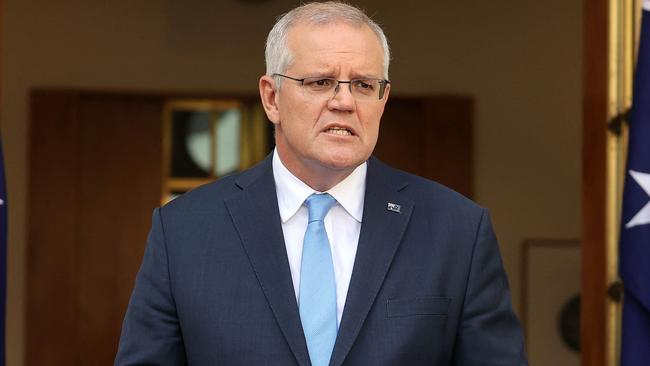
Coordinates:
338 134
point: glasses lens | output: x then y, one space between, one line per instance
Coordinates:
365 89
319 86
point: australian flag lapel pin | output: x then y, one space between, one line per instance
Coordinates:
394 207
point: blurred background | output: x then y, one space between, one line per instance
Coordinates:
110 108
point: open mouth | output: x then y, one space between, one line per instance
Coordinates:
339 131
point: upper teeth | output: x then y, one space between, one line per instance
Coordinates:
339 131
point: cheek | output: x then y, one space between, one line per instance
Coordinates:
298 127
299 115
371 122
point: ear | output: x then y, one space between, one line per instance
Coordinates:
269 95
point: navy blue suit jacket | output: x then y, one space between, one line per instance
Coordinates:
428 286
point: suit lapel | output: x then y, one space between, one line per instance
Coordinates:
255 214
381 232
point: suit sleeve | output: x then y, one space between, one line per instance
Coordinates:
489 332
151 333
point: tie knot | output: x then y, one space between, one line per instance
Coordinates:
318 206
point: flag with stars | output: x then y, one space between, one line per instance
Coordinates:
3 256
634 264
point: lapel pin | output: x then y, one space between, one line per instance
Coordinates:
393 207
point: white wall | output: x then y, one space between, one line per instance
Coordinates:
520 59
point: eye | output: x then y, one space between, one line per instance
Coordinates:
323 82
319 83
365 86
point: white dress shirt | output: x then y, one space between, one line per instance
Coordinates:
342 223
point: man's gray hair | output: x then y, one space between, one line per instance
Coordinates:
277 53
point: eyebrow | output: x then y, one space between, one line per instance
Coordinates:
331 75
329 72
326 73
366 76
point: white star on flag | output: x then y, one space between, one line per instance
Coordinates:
643 216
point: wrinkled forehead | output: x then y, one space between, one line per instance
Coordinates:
335 42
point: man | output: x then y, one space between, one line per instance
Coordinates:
321 254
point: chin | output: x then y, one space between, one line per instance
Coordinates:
344 161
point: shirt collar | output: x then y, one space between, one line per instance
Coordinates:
292 192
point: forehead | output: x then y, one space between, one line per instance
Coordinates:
335 46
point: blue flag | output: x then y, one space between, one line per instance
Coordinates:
634 264
3 257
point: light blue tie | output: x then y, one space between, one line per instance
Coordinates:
317 296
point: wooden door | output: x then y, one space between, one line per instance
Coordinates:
95 175
430 136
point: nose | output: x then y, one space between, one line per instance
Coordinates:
342 99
